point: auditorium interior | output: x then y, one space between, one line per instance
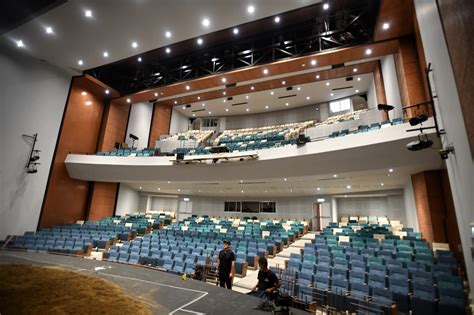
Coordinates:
332 138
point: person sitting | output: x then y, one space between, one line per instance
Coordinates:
267 281
198 273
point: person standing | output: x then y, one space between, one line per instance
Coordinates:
226 266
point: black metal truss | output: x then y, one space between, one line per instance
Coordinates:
343 29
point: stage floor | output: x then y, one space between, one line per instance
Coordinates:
163 292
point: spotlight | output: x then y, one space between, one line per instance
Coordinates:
444 153
423 142
418 119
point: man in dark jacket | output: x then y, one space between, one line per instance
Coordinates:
267 281
226 266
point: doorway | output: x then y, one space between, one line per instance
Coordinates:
321 215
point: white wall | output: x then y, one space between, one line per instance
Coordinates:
127 200
32 99
391 206
390 82
164 203
179 122
410 206
460 165
139 124
371 95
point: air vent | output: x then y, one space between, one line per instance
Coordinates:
231 85
343 88
188 105
237 104
349 78
230 98
198 110
252 183
290 88
287 96
153 100
338 65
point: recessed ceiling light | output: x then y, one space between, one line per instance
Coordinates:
368 51
355 70
335 175
266 107
156 94
179 189
107 91
348 186
175 102
206 22
224 100
318 189
247 110
285 179
328 83
390 170
224 93
199 98
271 93
303 65
134 45
381 184
88 103
210 113
265 191
357 91
313 62
265 71
252 88
203 104
326 6
250 9
307 97
20 43
317 76
83 93
277 19
105 54
80 62
159 188
235 31
140 187
358 79
345 196
188 87
283 82
385 26
128 100
242 191
184 107
291 190
88 13
224 80
298 88
168 50
168 34
246 96
49 30
169 182
226 109
332 94
194 115
199 41
286 104
139 59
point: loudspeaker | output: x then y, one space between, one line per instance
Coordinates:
179 156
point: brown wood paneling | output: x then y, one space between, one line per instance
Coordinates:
410 77
339 56
399 15
114 126
102 200
430 205
66 198
456 18
379 88
160 123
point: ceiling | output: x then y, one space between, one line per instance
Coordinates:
256 102
116 24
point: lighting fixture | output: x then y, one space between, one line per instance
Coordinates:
348 186
184 107
206 22
20 43
80 62
210 113
226 109
326 6
265 71
286 104
175 102
235 31
332 94
252 88
247 110
199 41
139 59
107 91
128 100
357 91
285 179
49 30
88 103
368 51
358 79
156 94
168 34
199 98
194 115
283 82
246 96
335 175
88 13
224 93
381 184
385 26
266 106
313 62
355 70
168 50
250 9
105 54
277 19
390 170
298 88
83 93
318 189
203 104
271 93
224 80
134 45
140 187
328 84
317 76
307 98
188 87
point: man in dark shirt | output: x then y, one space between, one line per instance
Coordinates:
267 281
226 266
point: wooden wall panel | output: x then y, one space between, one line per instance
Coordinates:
410 77
379 88
102 201
160 123
457 17
398 14
66 199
